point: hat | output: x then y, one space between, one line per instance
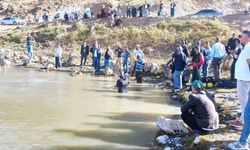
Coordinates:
197 84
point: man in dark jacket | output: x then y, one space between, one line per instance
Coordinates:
199 113
180 62
122 84
84 53
231 44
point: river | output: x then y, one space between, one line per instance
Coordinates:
53 111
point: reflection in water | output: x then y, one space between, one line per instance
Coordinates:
56 111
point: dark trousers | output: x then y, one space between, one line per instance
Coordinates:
196 74
232 69
138 76
83 57
216 67
57 62
191 122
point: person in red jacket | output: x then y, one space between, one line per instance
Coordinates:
197 62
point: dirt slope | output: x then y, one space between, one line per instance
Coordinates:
25 8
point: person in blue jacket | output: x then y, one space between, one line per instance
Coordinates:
139 68
97 53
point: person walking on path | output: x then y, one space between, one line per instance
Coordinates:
126 61
180 61
172 9
218 54
84 53
242 74
199 113
242 143
206 50
58 56
29 41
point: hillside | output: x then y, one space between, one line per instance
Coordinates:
26 8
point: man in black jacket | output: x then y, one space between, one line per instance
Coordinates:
84 53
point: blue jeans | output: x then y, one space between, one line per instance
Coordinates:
205 69
30 51
125 66
58 62
177 76
106 64
160 13
246 129
97 64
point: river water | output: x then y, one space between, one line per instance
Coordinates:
56 111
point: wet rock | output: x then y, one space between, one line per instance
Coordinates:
87 69
164 139
171 126
167 148
197 140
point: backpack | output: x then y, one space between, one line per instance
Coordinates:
186 76
226 83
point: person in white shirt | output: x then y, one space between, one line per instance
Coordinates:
137 52
58 56
218 54
242 74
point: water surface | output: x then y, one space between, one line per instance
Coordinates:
56 111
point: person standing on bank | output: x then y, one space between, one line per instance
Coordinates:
197 62
84 53
58 56
242 74
30 40
172 8
218 54
206 50
180 62
107 59
236 52
199 113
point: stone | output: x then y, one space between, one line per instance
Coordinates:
164 139
171 126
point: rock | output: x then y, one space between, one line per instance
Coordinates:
71 61
167 148
164 139
49 66
197 140
155 69
87 69
171 126
109 72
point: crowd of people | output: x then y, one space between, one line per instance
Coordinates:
199 113
110 11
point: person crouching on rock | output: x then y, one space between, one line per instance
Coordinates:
199 113
122 83
58 56
139 68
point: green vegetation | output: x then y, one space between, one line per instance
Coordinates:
161 37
